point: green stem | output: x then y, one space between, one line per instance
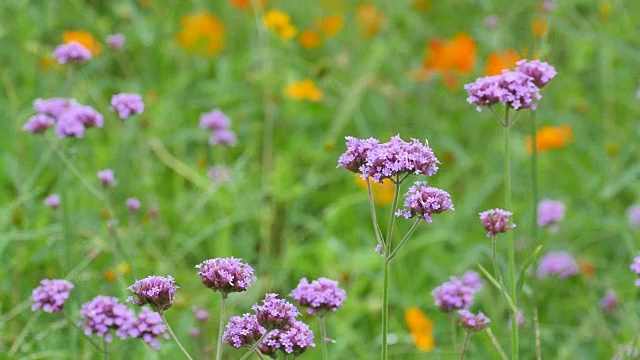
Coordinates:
392 216
374 217
385 306
494 257
454 329
184 351
465 345
105 349
406 237
223 303
512 250
534 182
323 338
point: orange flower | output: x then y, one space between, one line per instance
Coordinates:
421 328
202 34
370 19
422 5
110 275
280 23
245 5
330 25
303 90
539 28
499 61
454 57
46 62
310 39
587 269
550 137
84 38
382 192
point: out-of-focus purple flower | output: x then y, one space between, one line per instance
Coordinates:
52 201
219 175
319 296
397 157
356 155
107 178
550 213
513 89
243 331
214 120
635 267
72 51
548 5
558 263
149 327
51 295
39 123
116 41
473 280
294 340
424 201
472 322
609 301
519 320
226 275
540 71
86 115
496 221
200 314
133 205
491 21
633 213
275 313
127 104
157 291
223 137
453 295
54 107
194 332
105 313
69 125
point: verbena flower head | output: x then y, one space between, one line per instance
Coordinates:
424 201
453 295
275 313
550 213
127 104
116 41
634 216
107 178
397 157
472 322
356 155
635 267
223 137
157 291
52 201
133 205
54 107
559 263
609 302
105 313
51 295
149 327
39 123
243 331
226 275
513 89
86 115
214 120
496 221
319 296
69 125
72 52
294 340
540 71
473 280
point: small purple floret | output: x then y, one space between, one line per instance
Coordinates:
51 295
275 313
116 41
472 322
52 201
157 291
541 72
243 331
424 201
496 221
214 120
559 263
453 295
319 296
127 104
294 340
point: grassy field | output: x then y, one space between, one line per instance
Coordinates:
293 88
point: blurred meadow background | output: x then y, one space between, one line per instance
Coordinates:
295 78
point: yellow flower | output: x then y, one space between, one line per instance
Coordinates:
124 268
370 19
202 34
46 62
303 90
550 137
280 23
421 328
382 192
310 39
330 25
84 38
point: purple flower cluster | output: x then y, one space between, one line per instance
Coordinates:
275 313
243 331
380 161
70 118
107 178
472 322
133 205
157 291
226 275
558 263
72 52
319 296
519 89
496 221
473 280
127 104
105 313
634 216
550 213
635 267
294 340
52 201
116 41
219 124
51 295
609 301
148 327
453 295
424 201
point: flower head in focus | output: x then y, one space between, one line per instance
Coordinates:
157 291
424 201
496 221
226 275
319 296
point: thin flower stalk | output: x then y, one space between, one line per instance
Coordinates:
223 303
184 351
323 338
465 345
